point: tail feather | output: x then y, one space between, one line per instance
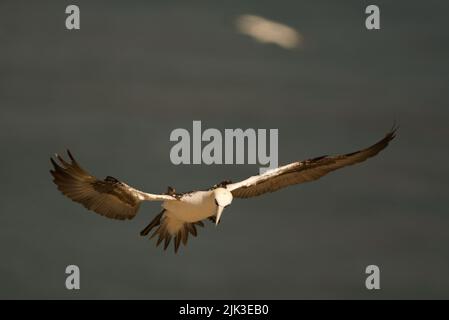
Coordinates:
167 242
192 229
168 227
155 222
177 241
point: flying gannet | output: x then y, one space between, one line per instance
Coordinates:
182 212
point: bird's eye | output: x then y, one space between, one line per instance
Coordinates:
216 202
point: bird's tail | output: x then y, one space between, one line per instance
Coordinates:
168 228
155 222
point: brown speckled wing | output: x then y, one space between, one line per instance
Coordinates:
108 197
304 171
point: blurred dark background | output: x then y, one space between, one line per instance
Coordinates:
114 90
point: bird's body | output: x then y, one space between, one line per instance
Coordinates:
192 206
183 212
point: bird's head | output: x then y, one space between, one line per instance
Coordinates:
223 198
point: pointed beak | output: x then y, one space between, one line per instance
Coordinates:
219 212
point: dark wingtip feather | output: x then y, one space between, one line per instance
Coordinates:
55 165
62 161
52 173
395 126
393 130
70 155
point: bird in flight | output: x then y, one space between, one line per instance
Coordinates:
183 212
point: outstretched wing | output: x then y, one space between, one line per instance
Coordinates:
108 197
303 171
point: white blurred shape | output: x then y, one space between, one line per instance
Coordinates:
267 31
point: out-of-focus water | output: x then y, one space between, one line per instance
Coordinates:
114 90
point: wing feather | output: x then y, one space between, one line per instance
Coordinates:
304 171
108 197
